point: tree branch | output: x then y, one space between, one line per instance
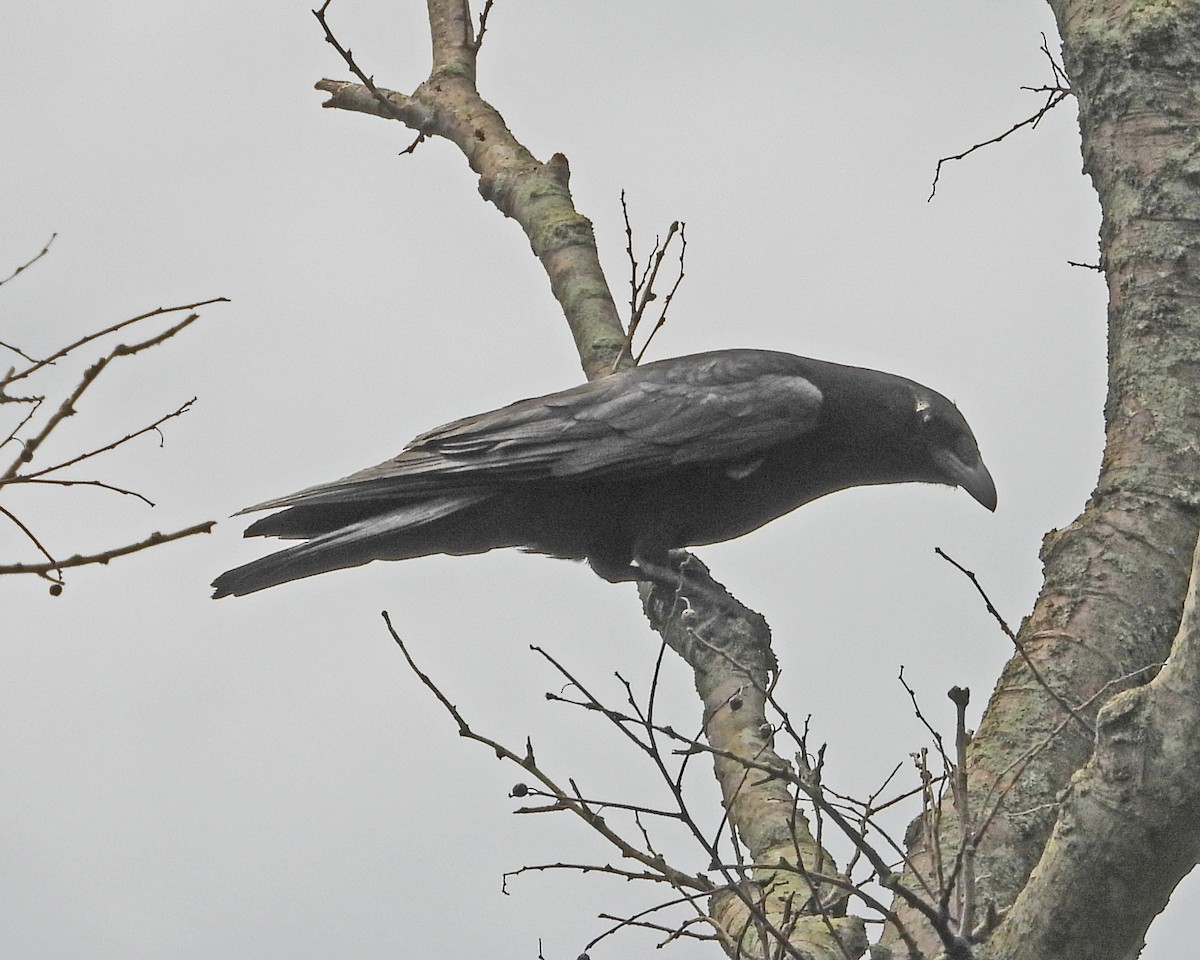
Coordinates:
1129 830
80 560
533 193
537 195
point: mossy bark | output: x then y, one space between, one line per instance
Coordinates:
1116 578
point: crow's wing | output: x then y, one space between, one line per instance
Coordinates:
720 407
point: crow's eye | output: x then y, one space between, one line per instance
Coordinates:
941 432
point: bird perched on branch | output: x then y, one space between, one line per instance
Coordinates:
622 470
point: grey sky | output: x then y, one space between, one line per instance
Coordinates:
262 777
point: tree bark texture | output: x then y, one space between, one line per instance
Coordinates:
1108 855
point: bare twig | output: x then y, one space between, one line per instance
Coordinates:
856 890
636 919
652 875
54 481
72 347
641 286
26 265
35 406
662 316
937 737
348 56
931 822
32 538
387 103
1008 632
957 947
594 803
80 560
67 407
1056 93
734 883
529 763
152 427
483 24
52 567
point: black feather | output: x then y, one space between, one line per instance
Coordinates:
677 453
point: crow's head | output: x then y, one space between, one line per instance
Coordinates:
944 437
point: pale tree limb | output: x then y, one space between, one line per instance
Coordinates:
533 193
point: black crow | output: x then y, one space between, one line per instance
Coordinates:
622 470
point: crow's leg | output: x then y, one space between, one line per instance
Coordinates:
666 571
662 569
684 578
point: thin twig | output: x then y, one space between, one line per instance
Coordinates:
483 24
20 353
178 412
80 560
67 407
72 347
32 538
651 875
937 737
592 802
957 948
1055 94
647 292
673 933
662 316
709 847
1008 632
36 405
527 762
388 108
53 481
25 266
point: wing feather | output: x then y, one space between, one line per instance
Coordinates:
718 407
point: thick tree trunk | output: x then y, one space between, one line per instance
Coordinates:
1116 578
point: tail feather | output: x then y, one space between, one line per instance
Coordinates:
313 520
398 534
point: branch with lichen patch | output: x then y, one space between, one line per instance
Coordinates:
534 193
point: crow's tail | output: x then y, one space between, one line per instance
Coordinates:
409 531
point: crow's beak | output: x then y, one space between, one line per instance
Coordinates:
974 478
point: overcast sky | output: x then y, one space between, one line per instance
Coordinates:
262 777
